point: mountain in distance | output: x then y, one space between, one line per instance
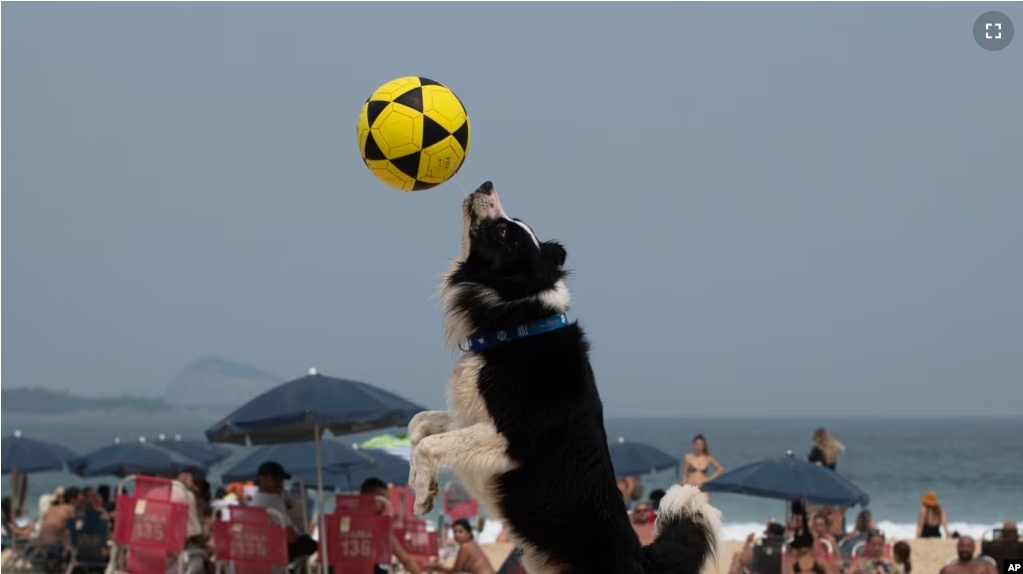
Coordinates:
215 381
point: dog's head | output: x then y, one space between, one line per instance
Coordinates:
504 275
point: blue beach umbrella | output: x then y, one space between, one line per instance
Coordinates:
204 452
124 458
387 467
299 459
789 478
634 458
28 455
304 409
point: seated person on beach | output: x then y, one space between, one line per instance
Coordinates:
11 527
696 464
822 535
932 518
1010 533
803 559
742 560
53 528
379 489
470 559
965 562
836 520
197 540
864 524
642 519
270 477
900 555
873 560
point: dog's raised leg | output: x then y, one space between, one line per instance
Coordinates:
477 450
424 424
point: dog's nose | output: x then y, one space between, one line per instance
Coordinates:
487 188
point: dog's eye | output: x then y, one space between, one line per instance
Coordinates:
502 230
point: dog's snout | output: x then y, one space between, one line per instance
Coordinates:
487 188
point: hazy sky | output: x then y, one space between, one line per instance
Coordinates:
768 208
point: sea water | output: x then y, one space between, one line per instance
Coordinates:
974 465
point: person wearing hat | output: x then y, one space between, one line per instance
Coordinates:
931 520
270 479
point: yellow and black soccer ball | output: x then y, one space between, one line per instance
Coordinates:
413 133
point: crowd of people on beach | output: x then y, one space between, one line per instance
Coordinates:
62 510
816 539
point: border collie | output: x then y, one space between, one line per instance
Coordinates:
525 427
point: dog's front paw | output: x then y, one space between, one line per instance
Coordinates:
425 499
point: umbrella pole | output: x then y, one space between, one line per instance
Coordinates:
321 523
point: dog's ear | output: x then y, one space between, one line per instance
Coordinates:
553 253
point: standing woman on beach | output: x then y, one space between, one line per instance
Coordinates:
696 463
932 518
825 449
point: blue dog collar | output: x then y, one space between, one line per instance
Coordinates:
483 341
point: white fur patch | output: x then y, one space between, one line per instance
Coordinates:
528 230
691 503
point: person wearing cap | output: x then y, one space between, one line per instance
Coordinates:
270 479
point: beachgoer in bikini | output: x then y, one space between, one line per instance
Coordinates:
803 559
873 560
825 449
931 519
966 564
696 463
470 558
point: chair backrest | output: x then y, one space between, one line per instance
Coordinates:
148 524
422 545
456 508
1000 550
360 502
767 554
251 539
403 501
357 539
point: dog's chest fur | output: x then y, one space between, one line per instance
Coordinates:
464 401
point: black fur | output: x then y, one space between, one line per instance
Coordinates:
541 394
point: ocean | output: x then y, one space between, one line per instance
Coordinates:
974 465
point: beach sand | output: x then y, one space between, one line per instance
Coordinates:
929 556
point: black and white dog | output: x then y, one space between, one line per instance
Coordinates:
525 430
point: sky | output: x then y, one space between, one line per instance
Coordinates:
769 209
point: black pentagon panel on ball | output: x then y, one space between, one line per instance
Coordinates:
409 164
433 132
412 98
422 186
462 136
428 82
372 150
374 109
